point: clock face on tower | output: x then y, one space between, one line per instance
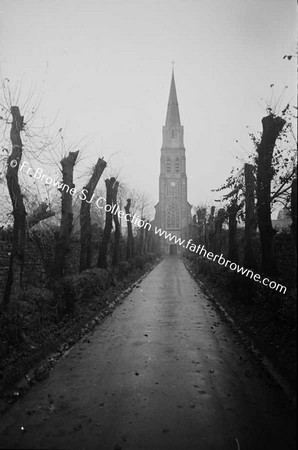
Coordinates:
173 188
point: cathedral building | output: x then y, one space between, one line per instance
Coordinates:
173 212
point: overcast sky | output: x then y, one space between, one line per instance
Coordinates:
105 66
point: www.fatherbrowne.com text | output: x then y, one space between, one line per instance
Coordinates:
202 251
39 174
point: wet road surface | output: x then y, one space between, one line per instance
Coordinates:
162 372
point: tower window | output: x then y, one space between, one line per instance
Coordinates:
177 165
173 216
168 165
173 134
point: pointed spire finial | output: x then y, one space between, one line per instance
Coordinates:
173 117
173 66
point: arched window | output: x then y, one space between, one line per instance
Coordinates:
173 216
173 134
177 165
168 165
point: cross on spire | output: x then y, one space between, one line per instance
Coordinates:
173 65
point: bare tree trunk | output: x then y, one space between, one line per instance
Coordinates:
294 208
85 219
16 264
39 214
250 218
129 245
141 239
211 230
150 242
104 245
117 234
63 238
272 126
221 215
232 210
201 215
146 237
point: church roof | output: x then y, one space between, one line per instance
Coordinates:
173 117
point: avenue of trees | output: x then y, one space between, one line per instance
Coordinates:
242 229
49 205
266 182
85 252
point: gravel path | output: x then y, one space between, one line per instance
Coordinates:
162 372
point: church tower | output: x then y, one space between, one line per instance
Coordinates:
173 212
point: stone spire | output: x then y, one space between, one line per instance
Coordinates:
173 117
173 130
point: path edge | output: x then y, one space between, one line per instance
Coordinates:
248 343
23 386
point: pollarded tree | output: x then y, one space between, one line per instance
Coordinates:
130 240
117 233
210 234
85 218
25 144
218 224
66 224
276 163
272 127
272 169
16 265
104 245
250 217
232 211
201 214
